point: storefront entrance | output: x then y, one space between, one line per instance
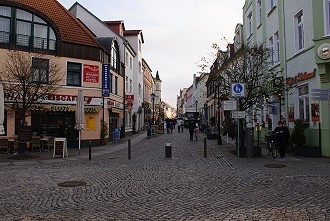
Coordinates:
56 124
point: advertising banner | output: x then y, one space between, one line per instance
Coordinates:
91 73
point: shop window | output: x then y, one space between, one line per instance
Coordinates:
303 103
74 71
40 70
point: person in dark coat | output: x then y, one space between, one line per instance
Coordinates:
192 126
282 138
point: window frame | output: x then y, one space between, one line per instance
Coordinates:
271 5
259 13
326 6
39 72
299 31
304 110
22 30
75 73
250 25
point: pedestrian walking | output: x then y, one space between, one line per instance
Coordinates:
192 127
283 135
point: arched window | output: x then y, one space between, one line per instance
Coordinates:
115 56
30 30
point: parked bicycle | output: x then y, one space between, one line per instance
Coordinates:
272 146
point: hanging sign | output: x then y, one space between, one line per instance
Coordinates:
105 80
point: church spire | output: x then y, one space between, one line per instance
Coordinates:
157 76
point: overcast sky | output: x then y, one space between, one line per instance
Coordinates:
177 33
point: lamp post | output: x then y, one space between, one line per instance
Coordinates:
280 101
153 107
219 106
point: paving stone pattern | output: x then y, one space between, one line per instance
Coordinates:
152 187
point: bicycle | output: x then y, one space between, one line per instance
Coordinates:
271 146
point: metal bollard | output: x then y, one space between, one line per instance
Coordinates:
168 150
205 147
129 149
90 150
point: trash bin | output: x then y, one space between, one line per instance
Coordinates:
168 150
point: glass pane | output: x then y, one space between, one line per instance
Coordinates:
4 30
301 109
5 11
20 14
74 67
23 31
39 20
40 36
307 108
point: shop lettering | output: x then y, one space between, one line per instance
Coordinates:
57 97
59 108
300 77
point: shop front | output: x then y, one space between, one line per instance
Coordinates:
115 114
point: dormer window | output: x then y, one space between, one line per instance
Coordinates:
30 30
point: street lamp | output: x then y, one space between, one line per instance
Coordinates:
153 107
219 106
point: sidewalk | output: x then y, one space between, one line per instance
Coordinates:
73 153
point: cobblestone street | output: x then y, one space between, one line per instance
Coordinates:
152 187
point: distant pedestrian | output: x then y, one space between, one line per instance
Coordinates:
192 126
171 126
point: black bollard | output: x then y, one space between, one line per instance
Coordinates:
204 146
129 149
90 150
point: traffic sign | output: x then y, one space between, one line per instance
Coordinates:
238 114
229 105
238 90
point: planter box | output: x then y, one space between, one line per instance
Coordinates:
308 151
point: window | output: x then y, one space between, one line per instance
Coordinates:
271 5
126 83
5 14
271 48
140 45
299 31
40 70
276 48
110 78
249 25
114 57
30 30
130 85
116 85
126 59
140 89
140 68
327 17
303 103
131 63
259 18
74 74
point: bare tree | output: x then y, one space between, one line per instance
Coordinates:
28 79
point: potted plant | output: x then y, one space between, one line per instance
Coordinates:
298 136
104 132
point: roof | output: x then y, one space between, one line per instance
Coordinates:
70 28
134 32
